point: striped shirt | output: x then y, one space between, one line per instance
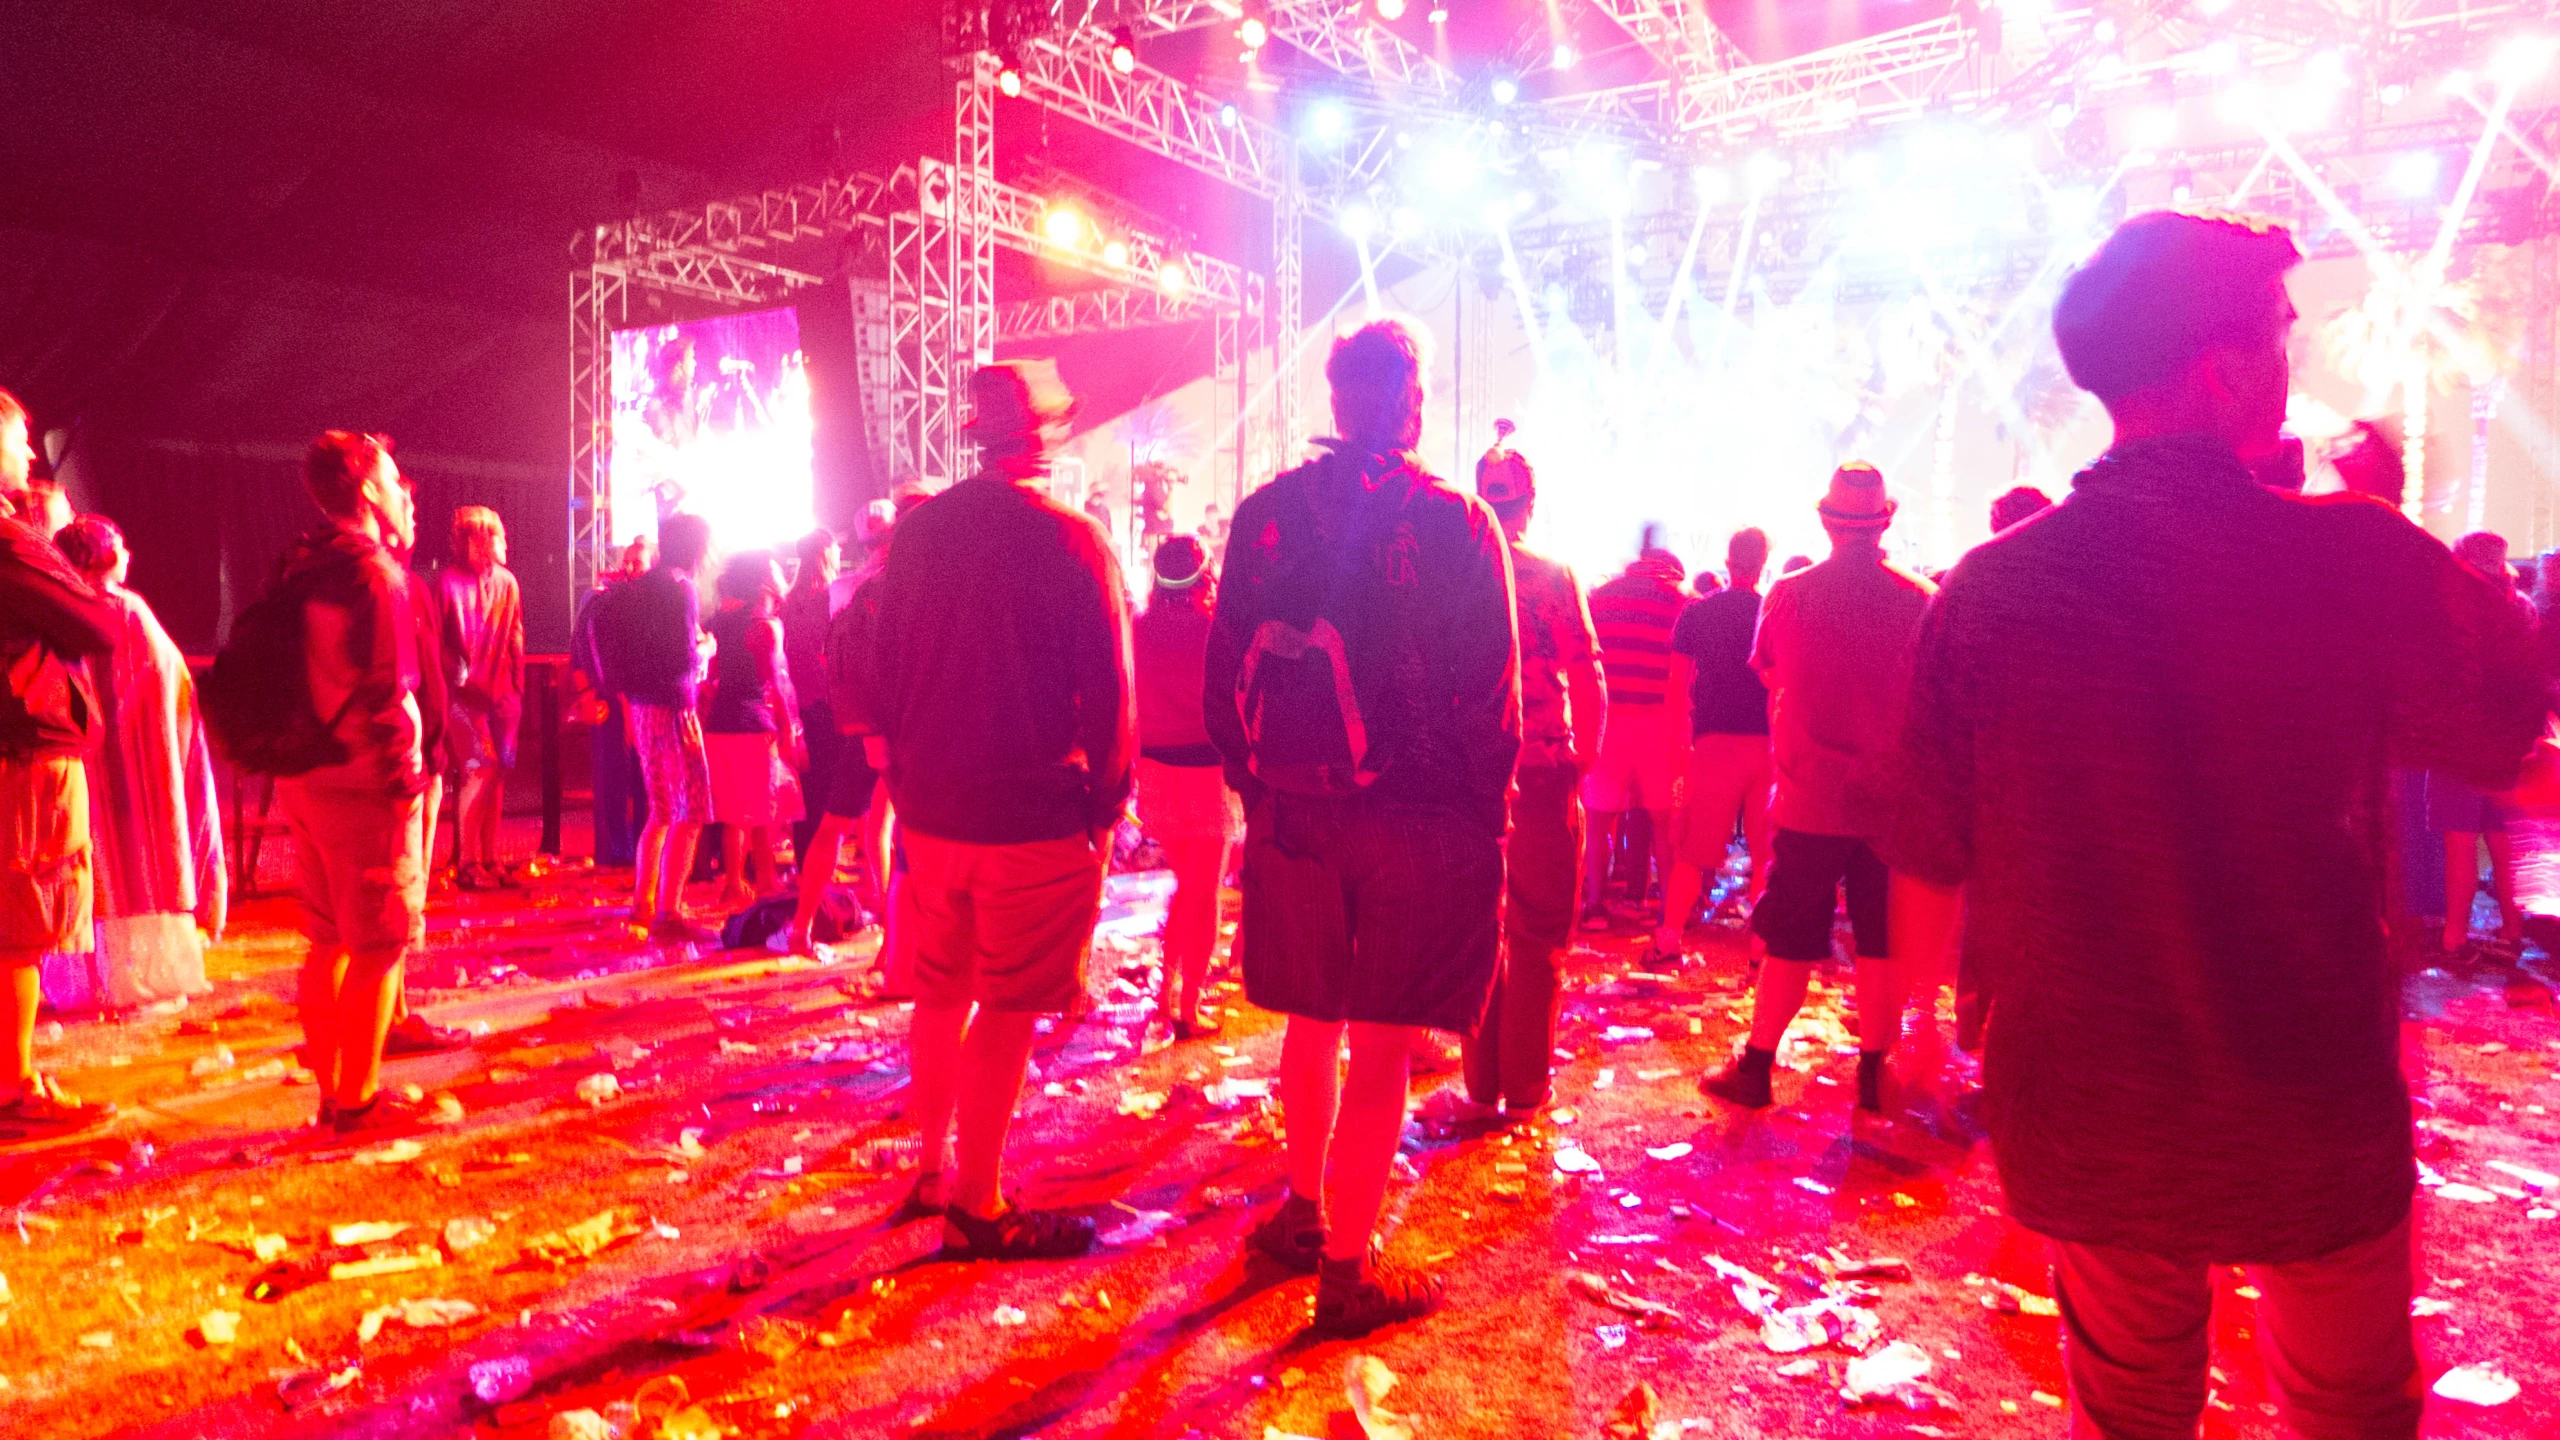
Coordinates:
1634 614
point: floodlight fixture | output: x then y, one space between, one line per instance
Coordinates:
1390 9
1063 226
1124 50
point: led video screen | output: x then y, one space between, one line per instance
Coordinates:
712 417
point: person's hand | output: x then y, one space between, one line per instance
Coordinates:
875 752
690 727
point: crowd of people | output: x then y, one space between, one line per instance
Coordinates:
2134 774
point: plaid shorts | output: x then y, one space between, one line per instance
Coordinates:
673 762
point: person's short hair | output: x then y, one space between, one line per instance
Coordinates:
1373 366
2165 288
12 409
1747 550
89 542
475 522
338 465
2012 506
683 540
746 575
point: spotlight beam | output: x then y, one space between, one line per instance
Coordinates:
1744 239
1680 280
2524 146
2248 182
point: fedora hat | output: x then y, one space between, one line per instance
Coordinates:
1015 398
1856 498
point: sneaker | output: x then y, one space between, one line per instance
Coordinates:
1743 1082
1354 1297
417 1035
1294 1235
1017 1234
1595 919
46 1110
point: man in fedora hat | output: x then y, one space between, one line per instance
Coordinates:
1000 681
1834 648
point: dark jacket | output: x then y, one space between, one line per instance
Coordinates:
360 648
50 620
1001 665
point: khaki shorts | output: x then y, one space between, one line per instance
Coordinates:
359 867
1729 777
45 881
1639 763
1007 926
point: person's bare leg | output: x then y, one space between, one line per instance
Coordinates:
363 1017
1367 1128
493 813
430 807
734 892
1776 998
933 1061
651 860
875 839
1190 923
2502 884
992 1061
1311 1098
817 872
1883 988
681 836
1758 837
323 976
2461 882
1679 897
20 998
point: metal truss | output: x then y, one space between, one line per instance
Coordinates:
1089 312
1073 77
1678 34
598 301
1340 35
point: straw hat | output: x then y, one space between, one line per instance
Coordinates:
1856 499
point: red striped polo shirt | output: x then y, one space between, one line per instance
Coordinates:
1634 614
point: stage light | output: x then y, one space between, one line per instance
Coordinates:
1390 9
1497 213
1253 33
1407 222
1124 50
2416 173
1173 279
2456 83
1565 57
1863 169
2152 129
2104 31
1505 90
1714 185
1063 227
2064 112
2212 7
1009 80
2327 69
1765 168
1227 115
2182 185
2392 94
2242 101
1439 14
2221 57
1358 221
1328 121
1115 252
2521 59
1635 254
2073 207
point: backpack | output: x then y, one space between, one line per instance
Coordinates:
848 654
257 696
1304 733
627 655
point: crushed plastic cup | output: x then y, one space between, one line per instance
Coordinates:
219 1327
1365 1383
599 1088
2479 1383
366 1232
1897 1373
582 1425
498 1381
213 1064
467 1232
1676 1150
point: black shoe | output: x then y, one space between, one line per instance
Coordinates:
1017 1234
1871 1081
1354 1297
1294 1235
380 1115
1745 1082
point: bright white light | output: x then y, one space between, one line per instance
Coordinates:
2221 57
2074 206
1327 122
1124 59
2308 106
1009 80
1565 57
1253 33
1765 168
2018 146
2153 129
1064 227
1714 185
1635 253
2393 93
2415 173
1173 279
1439 14
2456 83
2521 59
1505 90
2242 101
1115 253
1595 164
1862 169
1227 116
2212 7
2104 30
2063 114
1359 222
2328 68
1497 214
1408 222
1450 165
1390 9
